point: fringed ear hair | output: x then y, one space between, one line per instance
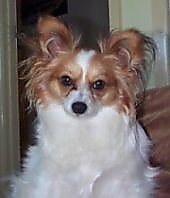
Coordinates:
130 51
54 36
130 47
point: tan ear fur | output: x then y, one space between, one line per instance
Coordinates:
128 46
54 36
132 54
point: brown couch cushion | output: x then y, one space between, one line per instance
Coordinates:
154 114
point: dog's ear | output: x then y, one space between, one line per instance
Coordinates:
54 36
131 53
129 47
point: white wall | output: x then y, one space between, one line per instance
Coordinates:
137 13
148 15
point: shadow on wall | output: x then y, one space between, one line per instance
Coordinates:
89 31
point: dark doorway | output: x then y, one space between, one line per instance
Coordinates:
86 17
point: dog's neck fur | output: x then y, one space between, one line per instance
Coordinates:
79 141
86 151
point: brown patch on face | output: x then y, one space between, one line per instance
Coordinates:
102 80
46 82
65 77
109 83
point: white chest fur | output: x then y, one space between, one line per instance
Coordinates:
80 141
87 158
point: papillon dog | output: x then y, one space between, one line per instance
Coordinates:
89 143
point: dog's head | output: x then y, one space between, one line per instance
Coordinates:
84 81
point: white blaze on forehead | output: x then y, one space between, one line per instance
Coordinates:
83 59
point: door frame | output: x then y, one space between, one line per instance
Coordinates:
9 114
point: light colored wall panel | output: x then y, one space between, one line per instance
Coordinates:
115 14
160 15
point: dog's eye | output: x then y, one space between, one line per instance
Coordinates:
98 85
66 80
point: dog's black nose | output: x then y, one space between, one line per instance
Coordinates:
79 107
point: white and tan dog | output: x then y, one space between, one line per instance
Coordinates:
89 144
